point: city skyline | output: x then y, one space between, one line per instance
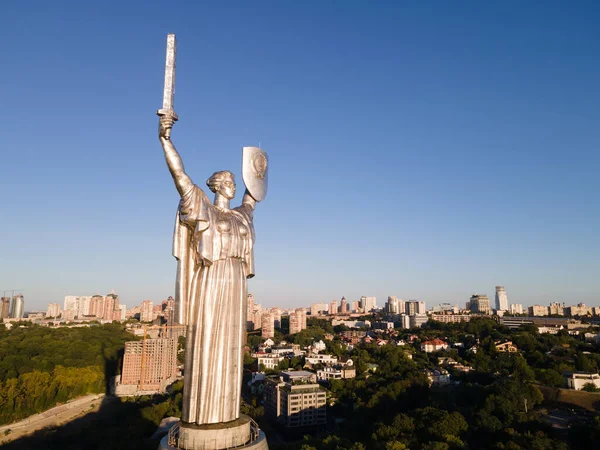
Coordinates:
468 150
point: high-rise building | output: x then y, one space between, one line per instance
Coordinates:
17 307
557 309
295 399
149 364
5 308
80 304
516 308
538 310
480 304
501 299
333 308
68 315
147 311
318 308
394 305
268 325
276 317
53 310
295 323
97 306
344 309
413 307
355 306
111 307
301 313
368 303
122 312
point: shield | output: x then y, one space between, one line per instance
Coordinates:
255 165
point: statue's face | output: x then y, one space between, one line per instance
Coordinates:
227 189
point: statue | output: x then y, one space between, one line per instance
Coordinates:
213 244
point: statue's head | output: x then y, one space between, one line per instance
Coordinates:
222 182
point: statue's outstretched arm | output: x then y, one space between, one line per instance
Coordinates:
182 181
248 200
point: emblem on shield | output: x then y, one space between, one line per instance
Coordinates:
255 164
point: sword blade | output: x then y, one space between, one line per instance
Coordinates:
169 90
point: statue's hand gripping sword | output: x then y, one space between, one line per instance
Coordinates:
169 90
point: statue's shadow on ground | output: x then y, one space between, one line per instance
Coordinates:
114 426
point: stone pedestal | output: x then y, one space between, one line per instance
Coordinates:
242 433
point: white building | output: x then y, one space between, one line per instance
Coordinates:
516 308
147 311
368 303
501 299
322 359
394 305
577 380
79 304
270 361
53 310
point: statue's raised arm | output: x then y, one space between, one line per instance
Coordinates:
182 181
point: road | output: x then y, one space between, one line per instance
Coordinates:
51 417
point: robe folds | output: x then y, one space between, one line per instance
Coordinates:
214 252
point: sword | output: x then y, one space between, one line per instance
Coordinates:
169 89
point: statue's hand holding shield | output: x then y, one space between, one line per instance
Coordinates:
255 165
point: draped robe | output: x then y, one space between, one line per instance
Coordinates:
214 250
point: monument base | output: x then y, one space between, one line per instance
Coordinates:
242 433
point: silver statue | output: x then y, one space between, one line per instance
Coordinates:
213 244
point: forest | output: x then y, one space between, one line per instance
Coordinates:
41 367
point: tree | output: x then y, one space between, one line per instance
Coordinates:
590 387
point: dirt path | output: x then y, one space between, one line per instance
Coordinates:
51 417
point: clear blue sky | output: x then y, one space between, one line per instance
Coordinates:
426 150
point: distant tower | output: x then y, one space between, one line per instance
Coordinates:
344 306
17 309
501 299
5 308
268 325
480 304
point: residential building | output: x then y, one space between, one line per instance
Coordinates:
269 361
295 400
344 308
506 347
149 365
413 307
147 311
355 306
111 307
556 309
383 325
295 326
516 308
333 308
433 345
317 309
480 304
352 323
53 310
501 299
5 308
339 372
277 317
538 310
580 310
451 318
394 305
97 306
577 380
268 325
418 320
368 303
326 360
445 308
17 307
405 321
68 315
